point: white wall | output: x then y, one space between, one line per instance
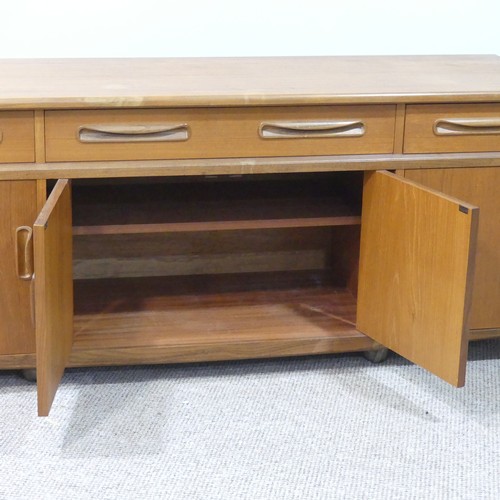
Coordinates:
121 28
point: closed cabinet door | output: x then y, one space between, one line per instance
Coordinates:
416 270
53 292
17 214
480 186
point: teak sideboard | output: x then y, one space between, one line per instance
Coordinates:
179 210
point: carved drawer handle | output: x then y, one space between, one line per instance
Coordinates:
133 133
310 129
24 252
467 126
1 136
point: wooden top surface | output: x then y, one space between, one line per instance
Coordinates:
84 83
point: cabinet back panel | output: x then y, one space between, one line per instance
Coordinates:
211 252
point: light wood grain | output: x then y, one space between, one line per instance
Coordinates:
245 166
399 128
17 208
17 137
216 133
41 194
421 136
484 334
91 83
17 361
40 136
416 262
230 100
53 292
480 186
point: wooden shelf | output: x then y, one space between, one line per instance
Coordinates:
190 318
212 206
215 225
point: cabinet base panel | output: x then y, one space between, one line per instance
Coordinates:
199 353
195 353
486 333
234 351
213 318
17 361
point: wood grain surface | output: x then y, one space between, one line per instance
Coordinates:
53 293
421 135
415 275
217 133
480 186
244 166
17 208
189 318
94 83
17 137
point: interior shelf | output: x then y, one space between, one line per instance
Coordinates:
212 206
219 225
216 312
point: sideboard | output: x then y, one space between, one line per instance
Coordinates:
180 210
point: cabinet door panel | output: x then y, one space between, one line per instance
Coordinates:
480 186
416 265
17 208
53 292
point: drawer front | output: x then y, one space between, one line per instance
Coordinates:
452 128
142 134
17 136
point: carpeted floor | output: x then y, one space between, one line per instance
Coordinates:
329 427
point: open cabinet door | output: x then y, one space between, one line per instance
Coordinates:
416 265
53 292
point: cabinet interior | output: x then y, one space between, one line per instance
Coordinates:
169 261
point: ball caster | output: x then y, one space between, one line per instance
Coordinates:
29 374
377 355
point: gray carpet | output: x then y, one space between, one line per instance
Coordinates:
330 427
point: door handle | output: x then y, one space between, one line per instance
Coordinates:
133 133
311 129
467 126
24 252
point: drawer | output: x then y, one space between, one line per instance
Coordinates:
17 136
452 128
141 134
